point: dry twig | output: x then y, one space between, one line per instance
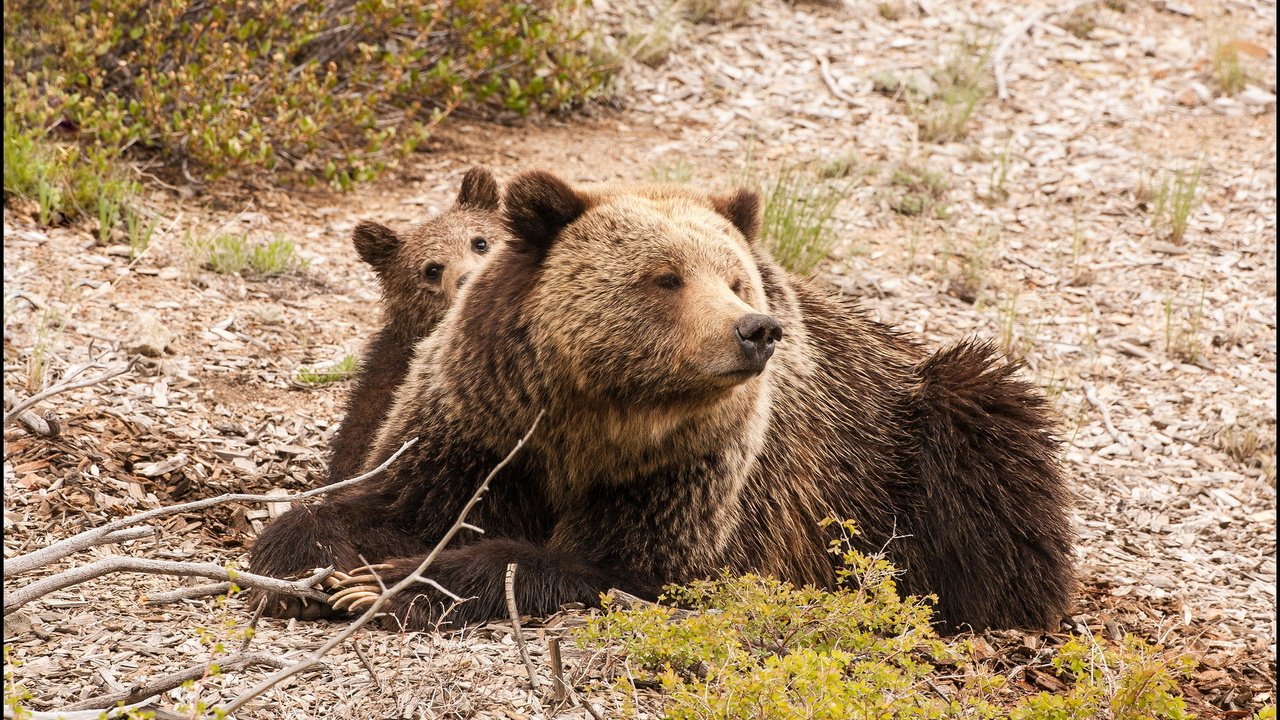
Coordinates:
172 680
514 612
68 383
90 538
824 67
374 609
14 599
1017 30
1091 394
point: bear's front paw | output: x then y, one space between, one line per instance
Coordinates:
358 590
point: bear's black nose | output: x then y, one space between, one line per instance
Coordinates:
757 334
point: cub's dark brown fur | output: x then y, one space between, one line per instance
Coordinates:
420 272
704 408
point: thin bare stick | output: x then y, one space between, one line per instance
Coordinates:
62 387
1091 394
374 609
824 67
168 682
89 538
187 593
1017 30
514 613
14 599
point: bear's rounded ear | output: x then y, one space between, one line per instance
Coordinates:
539 205
742 208
479 190
376 244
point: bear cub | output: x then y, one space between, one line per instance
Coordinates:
420 272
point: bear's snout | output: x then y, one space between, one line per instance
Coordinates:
462 279
757 334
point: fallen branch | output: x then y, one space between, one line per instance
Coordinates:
44 426
168 682
64 386
89 538
1017 30
14 599
534 682
824 67
1091 394
374 609
187 593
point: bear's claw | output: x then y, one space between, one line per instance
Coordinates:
363 575
355 598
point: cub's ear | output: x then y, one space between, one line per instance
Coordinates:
742 208
479 190
376 244
538 206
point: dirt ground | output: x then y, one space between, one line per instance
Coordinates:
1160 355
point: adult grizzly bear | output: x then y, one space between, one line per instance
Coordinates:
704 408
420 273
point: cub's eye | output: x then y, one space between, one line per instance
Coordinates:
669 281
433 272
736 287
480 245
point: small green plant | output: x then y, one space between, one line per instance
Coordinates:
229 254
1183 321
649 41
15 695
678 172
1251 443
1229 70
341 370
891 9
840 166
50 328
997 180
277 257
922 190
1080 22
138 229
799 218
1176 199
963 84
717 11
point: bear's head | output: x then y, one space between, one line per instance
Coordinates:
422 269
645 296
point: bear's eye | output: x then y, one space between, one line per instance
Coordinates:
669 281
433 272
480 245
736 287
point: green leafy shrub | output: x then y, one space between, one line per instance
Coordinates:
755 647
65 182
317 87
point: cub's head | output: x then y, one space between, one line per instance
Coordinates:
422 269
644 294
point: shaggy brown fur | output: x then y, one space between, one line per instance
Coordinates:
640 320
420 274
